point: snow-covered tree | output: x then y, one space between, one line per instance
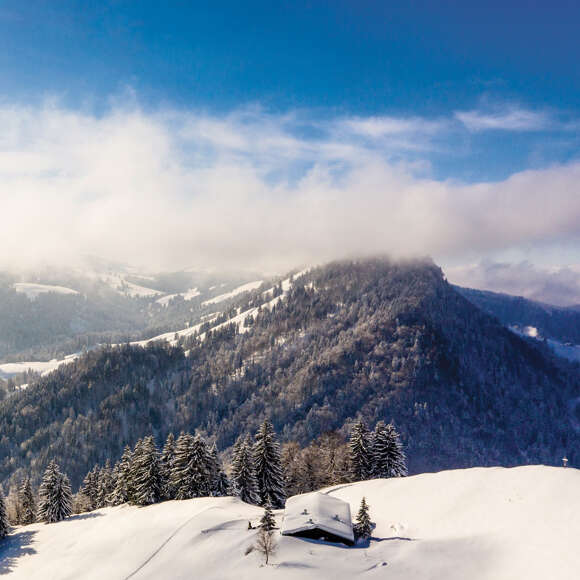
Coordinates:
167 460
360 452
105 485
219 480
4 525
120 493
268 466
190 476
388 456
267 521
26 503
90 488
363 527
145 474
244 484
54 495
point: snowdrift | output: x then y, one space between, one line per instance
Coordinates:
474 524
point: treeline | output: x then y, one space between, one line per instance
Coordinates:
188 467
369 338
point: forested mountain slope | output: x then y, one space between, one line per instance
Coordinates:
384 340
558 323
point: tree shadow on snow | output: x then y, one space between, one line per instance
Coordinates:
15 546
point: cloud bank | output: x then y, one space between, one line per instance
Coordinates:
559 286
170 189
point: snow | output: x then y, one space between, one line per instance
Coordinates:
473 524
136 291
319 511
564 350
8 370
32 291
239 290
120 284
188 295
569 351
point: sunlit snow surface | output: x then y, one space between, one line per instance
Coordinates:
474 524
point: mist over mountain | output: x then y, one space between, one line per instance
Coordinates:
376 339
48 313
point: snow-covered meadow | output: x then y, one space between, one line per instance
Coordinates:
473 524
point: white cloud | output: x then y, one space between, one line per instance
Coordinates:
560 286
175 188
504 119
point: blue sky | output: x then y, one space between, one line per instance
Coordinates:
426 59
471 110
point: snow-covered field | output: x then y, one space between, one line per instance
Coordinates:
33 290
235 292
473 524
8 370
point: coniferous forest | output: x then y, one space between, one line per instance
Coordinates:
372 340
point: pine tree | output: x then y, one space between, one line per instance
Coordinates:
268 466
267 521
105 485
26 503
90 488
388 455
244 483
363 526
120 493
145 474
360 452
55 496
190 476
4 525
167 460
219 480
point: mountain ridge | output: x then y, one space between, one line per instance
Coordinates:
373 338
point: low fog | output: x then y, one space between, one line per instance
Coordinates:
174 189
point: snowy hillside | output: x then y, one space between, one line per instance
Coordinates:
33 290
475 524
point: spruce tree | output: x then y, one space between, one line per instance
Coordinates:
267 521
26 503
167 460
268 467
90 488
360 452
4 525
219 480
190 476
388 455
105 485
363 527
120 493
145 474
54 495
244 483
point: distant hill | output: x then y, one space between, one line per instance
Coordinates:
371 338
557 327
457 525
53 313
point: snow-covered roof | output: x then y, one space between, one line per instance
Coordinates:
317 511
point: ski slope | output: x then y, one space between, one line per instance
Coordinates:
473 524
